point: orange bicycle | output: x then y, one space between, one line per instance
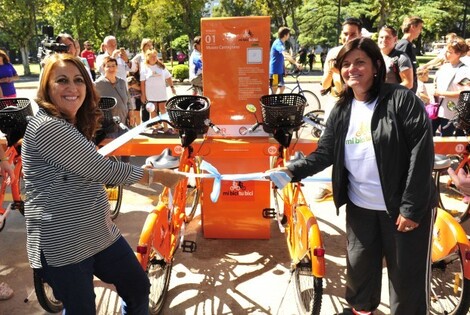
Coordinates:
163 230
282 116
14 113
450 197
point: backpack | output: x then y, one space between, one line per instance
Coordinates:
395 67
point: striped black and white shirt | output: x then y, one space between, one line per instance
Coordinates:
66 207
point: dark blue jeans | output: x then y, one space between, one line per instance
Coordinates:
117 264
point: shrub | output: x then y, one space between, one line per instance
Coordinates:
180 72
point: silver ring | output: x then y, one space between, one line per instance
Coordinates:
408 228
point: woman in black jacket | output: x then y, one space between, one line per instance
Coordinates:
379 140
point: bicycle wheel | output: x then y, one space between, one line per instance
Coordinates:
450 197
159 274
450 291
45 295
312 99
308 288
114 196
193 192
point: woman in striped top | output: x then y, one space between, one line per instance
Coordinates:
70 236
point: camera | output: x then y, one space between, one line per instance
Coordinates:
49 44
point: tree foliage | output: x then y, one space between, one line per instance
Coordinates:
313 22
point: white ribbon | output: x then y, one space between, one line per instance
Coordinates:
279 178
119 141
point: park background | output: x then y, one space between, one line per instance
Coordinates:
172 24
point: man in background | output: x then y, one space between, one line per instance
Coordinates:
277 58
89 55
411 27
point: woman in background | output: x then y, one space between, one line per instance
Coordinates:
154 78
8 75
448 86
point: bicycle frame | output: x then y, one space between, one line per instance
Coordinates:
303 233
14 158
448 234
163 225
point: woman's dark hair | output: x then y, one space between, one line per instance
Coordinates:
88 115
371 49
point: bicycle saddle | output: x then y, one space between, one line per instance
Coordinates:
163 160
441 162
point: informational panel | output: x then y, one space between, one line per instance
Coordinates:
235 54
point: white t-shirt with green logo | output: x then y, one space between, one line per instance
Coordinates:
364 188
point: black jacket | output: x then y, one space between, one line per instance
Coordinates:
404 150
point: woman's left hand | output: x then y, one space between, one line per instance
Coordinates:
405 224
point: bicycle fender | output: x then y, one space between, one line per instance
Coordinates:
146 238
447 235
315 241
312 233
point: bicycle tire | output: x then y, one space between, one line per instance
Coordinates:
45 295
114 193
2 225
193 192
312 99
450 291
159 274
450 197
308 288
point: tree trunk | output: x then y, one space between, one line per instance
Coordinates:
25 59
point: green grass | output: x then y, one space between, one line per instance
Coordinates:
33 67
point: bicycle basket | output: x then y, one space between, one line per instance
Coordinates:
189 112
107 104
462 119
14 113
282 111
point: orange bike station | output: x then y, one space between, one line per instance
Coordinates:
236 73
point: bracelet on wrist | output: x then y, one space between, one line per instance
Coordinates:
150 174
3 159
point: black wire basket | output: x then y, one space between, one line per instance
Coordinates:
106 104
282 111
189 112
462 119
14 116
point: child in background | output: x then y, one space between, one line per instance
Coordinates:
422 92
134 91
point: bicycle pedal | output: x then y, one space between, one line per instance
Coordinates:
188 246
269 213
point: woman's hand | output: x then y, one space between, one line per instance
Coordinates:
461 180
405 224
7 171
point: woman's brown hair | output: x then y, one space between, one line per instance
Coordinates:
4 56
88 115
